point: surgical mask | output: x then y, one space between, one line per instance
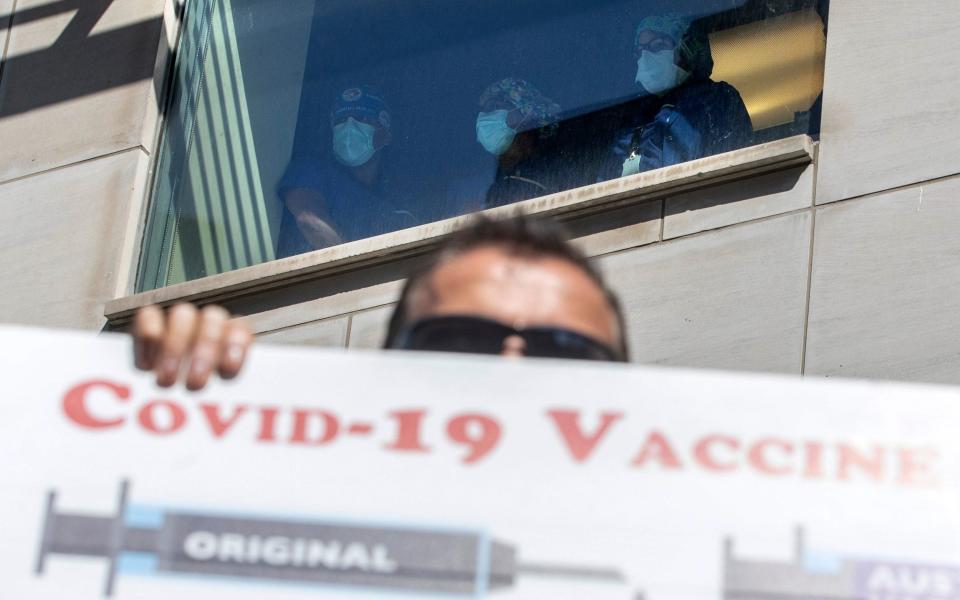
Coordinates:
657 72
353 142
493 133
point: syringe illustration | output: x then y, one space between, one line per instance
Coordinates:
156 540
840 577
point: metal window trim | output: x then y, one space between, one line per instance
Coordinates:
168 54
698 174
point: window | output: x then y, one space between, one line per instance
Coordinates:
295 125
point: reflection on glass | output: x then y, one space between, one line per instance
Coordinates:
297 125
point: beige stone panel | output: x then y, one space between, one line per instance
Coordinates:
169 36
76 84
322 308
737 202
61 237
328 333
620 229
885 295
6 7
890 109
730 299
368 328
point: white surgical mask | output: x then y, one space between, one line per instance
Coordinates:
657 72
353 142
493 133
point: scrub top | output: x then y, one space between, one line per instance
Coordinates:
356 211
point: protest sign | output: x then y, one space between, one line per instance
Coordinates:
322 474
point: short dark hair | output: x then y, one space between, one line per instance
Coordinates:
519 235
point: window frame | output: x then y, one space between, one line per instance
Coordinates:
643 187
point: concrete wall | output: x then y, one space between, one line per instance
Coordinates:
849 266
78 108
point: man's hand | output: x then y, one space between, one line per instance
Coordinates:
190 341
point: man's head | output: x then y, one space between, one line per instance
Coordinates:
512 287
360 120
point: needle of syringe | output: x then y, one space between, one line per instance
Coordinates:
579 572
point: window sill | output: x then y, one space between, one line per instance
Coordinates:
698 174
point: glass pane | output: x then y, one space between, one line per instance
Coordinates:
295 125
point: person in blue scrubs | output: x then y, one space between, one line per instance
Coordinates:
680 114
342 198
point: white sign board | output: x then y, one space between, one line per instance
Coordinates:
323 474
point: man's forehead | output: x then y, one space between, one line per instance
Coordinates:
496 264
495 280
471 276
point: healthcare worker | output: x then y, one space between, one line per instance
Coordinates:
518 125
681 114
342 198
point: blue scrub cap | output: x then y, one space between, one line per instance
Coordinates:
360 101
671 25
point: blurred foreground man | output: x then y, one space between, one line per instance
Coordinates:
514 287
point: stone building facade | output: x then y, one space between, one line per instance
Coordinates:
836 256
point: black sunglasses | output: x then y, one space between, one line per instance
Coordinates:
477 335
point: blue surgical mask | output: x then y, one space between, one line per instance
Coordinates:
493 133
353 142
657 72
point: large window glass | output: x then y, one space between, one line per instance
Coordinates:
296 125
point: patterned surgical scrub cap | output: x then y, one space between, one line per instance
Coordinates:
539 112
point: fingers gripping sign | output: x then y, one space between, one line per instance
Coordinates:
189 342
